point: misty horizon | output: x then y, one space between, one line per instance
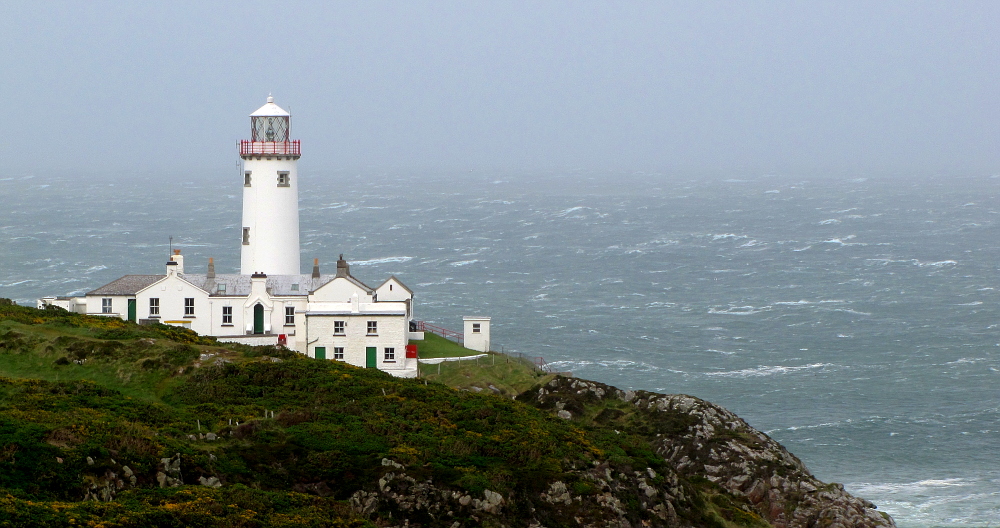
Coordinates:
706 88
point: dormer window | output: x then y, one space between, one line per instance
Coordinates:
295 287
283 179
222 288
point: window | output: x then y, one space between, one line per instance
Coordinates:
246 236
154 306
222 288
227 315
106 305
338 353
189 306
475 328
372 327
283 179
338 328
390 354
295 287
246 179
289 315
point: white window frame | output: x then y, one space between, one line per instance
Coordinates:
107 304
339 327
338 353
289 315
372 328
390 354
154 306
227 315
476 328
188 306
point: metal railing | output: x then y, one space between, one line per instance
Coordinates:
264 148
443 332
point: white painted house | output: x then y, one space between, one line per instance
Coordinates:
333 317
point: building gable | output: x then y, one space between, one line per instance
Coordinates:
341 289
393 290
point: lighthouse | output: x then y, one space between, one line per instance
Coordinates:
270 234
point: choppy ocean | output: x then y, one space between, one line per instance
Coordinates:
855 320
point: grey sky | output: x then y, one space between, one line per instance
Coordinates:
760 86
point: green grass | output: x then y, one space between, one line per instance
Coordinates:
509 376
435 346
144 368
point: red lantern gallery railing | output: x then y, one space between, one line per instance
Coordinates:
264 148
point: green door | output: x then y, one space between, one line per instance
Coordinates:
320 352
258 319
131 310
370 357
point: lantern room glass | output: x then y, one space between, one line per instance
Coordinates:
269 128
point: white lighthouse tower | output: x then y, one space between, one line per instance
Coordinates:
270 195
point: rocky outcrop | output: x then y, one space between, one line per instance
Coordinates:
169 474
701 440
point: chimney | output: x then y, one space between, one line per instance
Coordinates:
178 259
211 269
315 268
343 270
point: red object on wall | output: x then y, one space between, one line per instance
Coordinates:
411 351
282 340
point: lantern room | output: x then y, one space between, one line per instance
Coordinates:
269 132
269 123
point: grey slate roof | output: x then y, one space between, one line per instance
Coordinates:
127 285
236 285
240 285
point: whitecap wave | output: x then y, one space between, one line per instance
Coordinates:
614 364
867 488
728 236
739 310
384 260
829 221
767 370
464 262
571 210
937 264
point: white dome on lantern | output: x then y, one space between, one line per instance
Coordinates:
270 110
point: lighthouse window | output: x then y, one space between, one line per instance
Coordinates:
106 305
372 327
189 306
283 179
154 306
246 179
338 328
246 236
289 315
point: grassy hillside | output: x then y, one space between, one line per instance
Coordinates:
112 424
